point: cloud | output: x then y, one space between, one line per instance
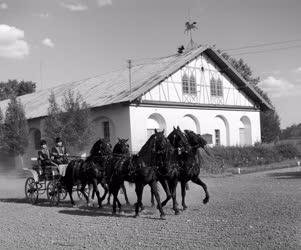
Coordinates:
277 87
102 3
47 42
3 6
43 15
298 70
74 6
12 43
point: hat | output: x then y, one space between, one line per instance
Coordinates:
43 142
58 139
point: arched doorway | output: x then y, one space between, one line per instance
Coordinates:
245 131
221 131
155 121
190 122
34 138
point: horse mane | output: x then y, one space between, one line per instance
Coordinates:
145 148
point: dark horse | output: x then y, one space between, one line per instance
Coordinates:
140 169
89 171
120 149
190 164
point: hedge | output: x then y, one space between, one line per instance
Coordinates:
246 156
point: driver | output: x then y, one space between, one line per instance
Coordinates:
59 152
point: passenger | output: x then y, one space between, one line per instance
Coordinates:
44 155
59 152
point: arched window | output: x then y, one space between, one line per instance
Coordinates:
185 84
213 90
219 87
155 121
216 87
192 85
245 131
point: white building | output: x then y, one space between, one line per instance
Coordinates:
197 90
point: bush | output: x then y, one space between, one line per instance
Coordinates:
238 156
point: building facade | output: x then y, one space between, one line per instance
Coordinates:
197 90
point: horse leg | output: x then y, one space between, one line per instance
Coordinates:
125 194
115 194
82 190
139 192
105 188
183 190
173 187
109 198
95 189
152 198
198 181
166 188
154 188
69 190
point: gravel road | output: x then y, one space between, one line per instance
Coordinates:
253 211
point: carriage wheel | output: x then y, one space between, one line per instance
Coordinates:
79 193
31 190
53 193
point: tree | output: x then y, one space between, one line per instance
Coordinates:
1 130
270 122
16 88
293 131
15 132
52 123
72 121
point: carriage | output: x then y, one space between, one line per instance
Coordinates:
47 180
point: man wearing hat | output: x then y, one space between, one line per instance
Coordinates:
59 152
44 155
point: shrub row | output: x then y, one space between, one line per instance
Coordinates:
238 156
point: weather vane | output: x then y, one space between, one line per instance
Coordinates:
189 27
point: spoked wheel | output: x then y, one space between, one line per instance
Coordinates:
53 192
31 190
79 193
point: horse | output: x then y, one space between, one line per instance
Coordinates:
120 149
190 165
140 169
89 171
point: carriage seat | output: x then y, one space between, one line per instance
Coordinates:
43 171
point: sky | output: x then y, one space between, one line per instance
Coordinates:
56 41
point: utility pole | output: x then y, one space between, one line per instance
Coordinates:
130 74
41 78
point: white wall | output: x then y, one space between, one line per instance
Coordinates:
171 89
207 119
118 115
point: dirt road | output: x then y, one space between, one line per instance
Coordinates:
259 210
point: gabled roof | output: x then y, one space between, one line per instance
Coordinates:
114 87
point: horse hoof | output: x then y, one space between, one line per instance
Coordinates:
177 212
136 216
184 207
128 203
205 201
153 204
163 217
